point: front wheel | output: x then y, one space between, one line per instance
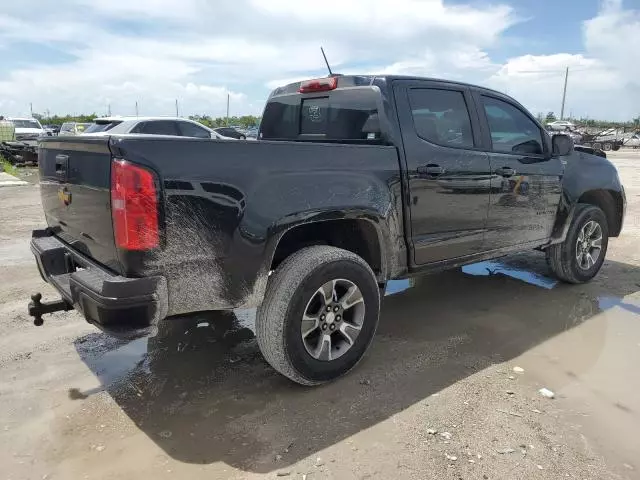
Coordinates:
319 314
578 259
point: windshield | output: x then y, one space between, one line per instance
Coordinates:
102 126
26 124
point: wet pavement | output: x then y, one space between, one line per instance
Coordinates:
198 400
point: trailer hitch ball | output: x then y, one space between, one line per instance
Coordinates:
37 317
37 308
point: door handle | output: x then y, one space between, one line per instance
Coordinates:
431 170
505 171
62 162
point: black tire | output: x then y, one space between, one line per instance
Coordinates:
290 288
561 257
606 147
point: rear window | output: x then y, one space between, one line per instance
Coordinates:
102 126
347 115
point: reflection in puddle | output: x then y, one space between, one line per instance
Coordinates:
397 286
493 268
184 346
114 365
605 303
246 318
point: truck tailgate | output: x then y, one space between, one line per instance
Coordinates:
75 189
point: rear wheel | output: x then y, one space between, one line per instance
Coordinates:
319 314
579 258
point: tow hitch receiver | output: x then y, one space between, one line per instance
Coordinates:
38 308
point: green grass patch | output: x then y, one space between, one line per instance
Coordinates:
7 167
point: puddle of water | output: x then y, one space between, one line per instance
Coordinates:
397 286
246 318
606 303
492 268
118 363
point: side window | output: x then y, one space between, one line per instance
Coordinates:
159 127
190 130
511 130
139 128
441 116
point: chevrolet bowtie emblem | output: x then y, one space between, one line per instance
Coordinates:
64 195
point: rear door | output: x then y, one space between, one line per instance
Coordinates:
524 208
75 178
448 173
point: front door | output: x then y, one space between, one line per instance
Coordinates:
448 174
523 209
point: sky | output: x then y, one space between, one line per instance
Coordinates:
88 56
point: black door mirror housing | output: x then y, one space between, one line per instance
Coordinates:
561 145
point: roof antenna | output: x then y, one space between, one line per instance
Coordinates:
327 62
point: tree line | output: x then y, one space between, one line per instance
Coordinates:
590 122
245 121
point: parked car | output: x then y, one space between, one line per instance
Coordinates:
73 128
173 126
52 129
28 130
231 133
252 133
339 196
561 125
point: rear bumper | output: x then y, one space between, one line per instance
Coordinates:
123 307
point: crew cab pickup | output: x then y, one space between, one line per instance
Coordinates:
354 180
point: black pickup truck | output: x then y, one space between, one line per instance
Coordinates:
354 180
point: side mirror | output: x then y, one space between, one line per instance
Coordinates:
562 145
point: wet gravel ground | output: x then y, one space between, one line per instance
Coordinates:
449 389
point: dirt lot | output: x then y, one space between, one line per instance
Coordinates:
436 397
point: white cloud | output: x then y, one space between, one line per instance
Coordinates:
198 51
603 82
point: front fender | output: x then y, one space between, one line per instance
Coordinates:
584 173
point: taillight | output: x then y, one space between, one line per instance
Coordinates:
134 206
319 85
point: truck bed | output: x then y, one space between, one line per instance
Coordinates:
223 205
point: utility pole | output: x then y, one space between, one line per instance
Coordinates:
227 109
136 108
31 109
177 108
108 110
564 92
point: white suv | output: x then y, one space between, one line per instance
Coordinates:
28 130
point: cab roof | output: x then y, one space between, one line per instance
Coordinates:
345 81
